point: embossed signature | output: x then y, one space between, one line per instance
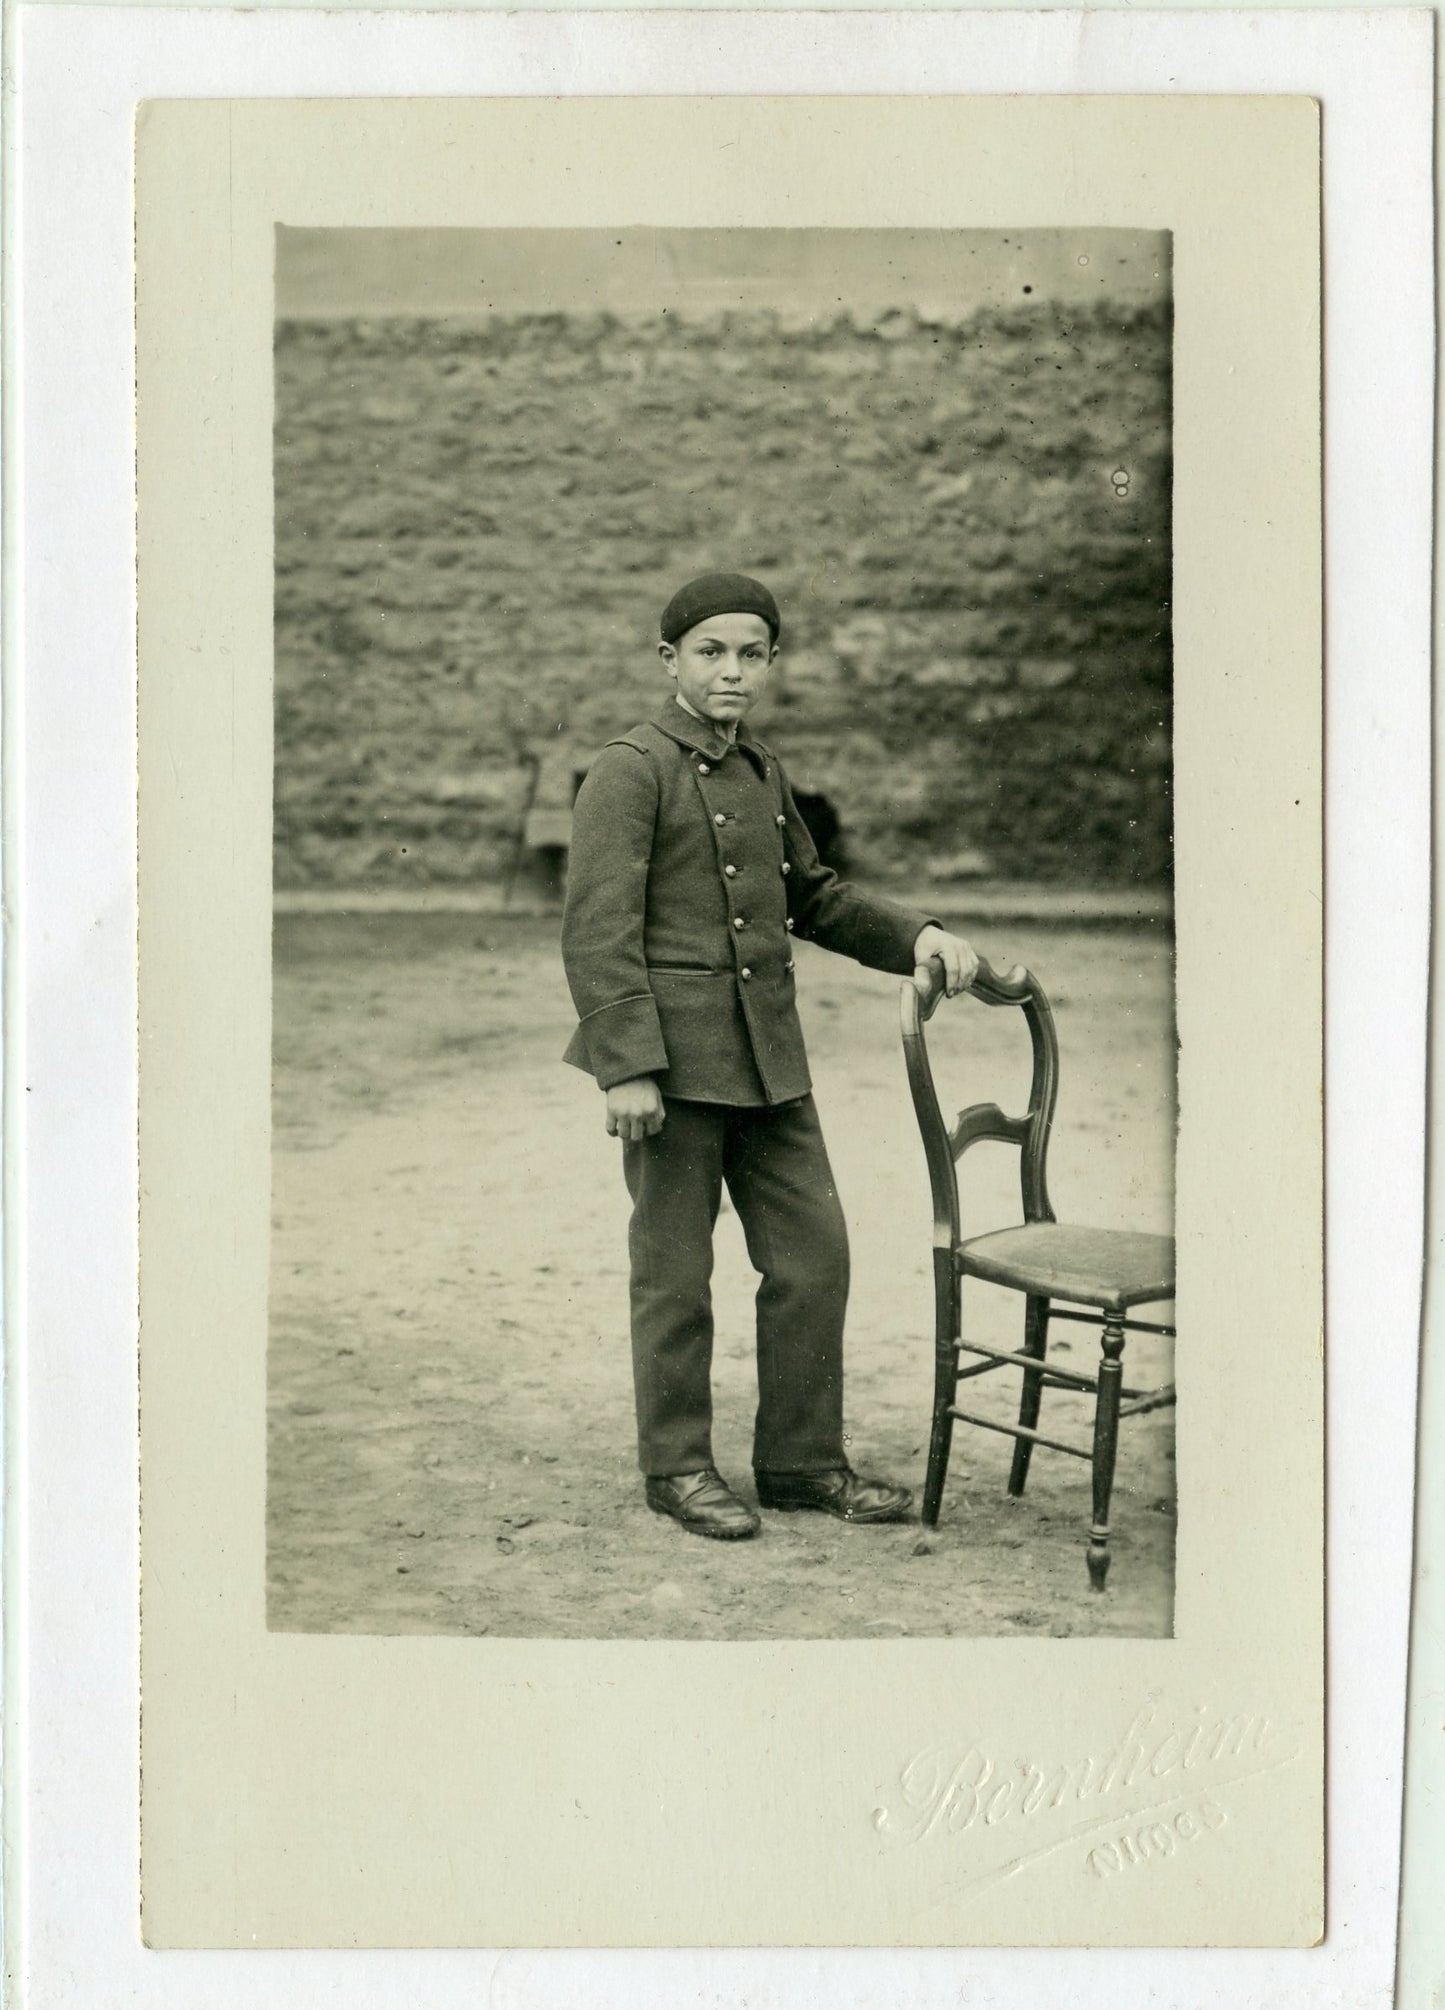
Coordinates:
1015 1813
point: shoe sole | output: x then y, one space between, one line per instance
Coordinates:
858 1520
698 1528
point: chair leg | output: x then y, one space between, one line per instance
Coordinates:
945 1390
945 1381
1036 1340
1106 1446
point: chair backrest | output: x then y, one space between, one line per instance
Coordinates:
943 1144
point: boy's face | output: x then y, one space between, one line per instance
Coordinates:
722 664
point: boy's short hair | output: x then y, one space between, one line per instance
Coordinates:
718 593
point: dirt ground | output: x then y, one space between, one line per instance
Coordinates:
451 1441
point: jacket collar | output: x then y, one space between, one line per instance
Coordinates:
704 737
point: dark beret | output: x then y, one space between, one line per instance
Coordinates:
718 593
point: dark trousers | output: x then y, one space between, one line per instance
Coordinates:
776 1168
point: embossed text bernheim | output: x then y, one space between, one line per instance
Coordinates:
950 1792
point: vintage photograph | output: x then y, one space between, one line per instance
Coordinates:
729 832
723 1046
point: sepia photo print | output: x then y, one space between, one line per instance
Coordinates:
946 457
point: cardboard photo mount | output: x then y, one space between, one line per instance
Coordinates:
312 1792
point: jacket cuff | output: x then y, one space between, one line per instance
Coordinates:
624 1040
918 923
909 926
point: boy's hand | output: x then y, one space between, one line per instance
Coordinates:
960 965
634 1110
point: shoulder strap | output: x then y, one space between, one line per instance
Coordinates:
643 739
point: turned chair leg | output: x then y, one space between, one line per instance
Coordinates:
1036 1340
945 1390
945 1380
1106 1445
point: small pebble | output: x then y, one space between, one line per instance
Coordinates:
505 1544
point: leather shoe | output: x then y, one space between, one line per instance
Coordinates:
843 1493
704 1504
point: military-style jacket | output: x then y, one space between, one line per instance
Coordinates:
691 871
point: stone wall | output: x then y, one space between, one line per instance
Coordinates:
966 526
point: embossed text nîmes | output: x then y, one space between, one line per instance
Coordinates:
1156 1842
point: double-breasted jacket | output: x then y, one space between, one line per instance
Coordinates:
691 873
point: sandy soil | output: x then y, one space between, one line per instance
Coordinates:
451 1443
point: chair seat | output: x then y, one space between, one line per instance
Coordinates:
1108 1267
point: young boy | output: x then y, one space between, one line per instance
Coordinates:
691 871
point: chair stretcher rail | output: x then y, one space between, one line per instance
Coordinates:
979 1368
1020 1431
1037 1364
1098 1318
1060 1378
1155 1399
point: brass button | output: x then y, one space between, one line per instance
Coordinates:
731 871
789 964
745 973
786 868
739 923
719 818
780 821
703 768
788 924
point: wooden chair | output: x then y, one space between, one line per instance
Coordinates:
1058 1269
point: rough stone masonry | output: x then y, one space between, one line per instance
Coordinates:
966 523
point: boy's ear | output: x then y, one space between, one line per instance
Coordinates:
669 657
